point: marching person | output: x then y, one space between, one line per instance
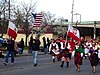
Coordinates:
93 56
64 51
71 47
59 46
65 57
98 48
86 48
10 50
54 49
78 56
35 48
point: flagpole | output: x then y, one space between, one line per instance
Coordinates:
72 13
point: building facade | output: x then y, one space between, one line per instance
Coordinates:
86 30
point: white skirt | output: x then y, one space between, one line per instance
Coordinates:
86 50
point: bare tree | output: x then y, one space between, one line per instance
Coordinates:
39 30
23 16
48 18
2 16
27 13
60 30
18 16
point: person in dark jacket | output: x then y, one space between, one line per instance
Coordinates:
22 44
45 46
10 50
48 43
35 48
30 45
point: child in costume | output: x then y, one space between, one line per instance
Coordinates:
65 57
54 49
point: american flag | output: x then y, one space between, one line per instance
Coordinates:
38 19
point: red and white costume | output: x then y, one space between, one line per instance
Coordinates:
87 45
63 44
54 50
98 48
71 46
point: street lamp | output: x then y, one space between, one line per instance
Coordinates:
77 17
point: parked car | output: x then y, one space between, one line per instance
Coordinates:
2 42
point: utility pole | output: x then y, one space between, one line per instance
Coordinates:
9 9
94 29
77 20
72 12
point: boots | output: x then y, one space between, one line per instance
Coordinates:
62 64
67 64
53 60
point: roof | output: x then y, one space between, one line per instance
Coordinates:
81 24
89 24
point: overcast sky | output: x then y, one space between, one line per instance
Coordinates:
89 9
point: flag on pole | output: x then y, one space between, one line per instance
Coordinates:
73 33
38 19
12 30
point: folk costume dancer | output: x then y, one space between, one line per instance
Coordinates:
65 57
64 52
98 48
59 46
86 49
53 49
78 56
71 47
93 55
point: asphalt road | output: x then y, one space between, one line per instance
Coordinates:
24 66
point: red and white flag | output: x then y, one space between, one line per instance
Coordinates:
73 33
12 30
